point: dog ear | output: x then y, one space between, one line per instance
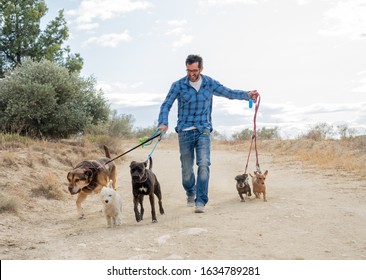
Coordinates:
265 173
145 163
88 173
132 163
251 175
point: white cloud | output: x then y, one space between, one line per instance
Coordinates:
346 18
140 99
90 11
111 40
176 28
206 3
124 95
303 2
177 22
362 81
234 116
175 31
184 39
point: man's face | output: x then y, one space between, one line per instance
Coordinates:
193 72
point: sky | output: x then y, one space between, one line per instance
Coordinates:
306 58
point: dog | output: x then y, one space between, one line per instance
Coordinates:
242 186
90 176
259 185
112 205
144 182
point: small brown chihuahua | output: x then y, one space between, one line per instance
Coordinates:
259 185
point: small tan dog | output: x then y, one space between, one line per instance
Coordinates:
259 186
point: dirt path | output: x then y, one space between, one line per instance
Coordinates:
309 215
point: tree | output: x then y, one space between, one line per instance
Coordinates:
42 99
22 38
120 125
268 133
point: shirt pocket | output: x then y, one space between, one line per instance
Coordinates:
205 97
186 97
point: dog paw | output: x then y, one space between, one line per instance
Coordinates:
154 221
242 200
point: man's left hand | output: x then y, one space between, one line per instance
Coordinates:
253 94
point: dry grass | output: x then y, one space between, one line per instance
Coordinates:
50 188
8 158
8 204
347 155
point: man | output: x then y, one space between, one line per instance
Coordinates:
194 93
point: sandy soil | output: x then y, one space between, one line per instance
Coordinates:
310 214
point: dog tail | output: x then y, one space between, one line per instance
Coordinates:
110 185
107 154
151 163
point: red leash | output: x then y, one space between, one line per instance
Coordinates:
254 137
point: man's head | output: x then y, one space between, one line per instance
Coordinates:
194 64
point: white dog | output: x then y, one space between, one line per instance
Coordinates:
112 203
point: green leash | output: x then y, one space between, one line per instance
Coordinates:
145 142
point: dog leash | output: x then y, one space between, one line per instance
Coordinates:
254 137
155 135
157 142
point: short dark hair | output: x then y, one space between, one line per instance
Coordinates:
193 58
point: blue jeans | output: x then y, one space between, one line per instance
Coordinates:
190 142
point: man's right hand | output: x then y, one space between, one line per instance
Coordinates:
163 128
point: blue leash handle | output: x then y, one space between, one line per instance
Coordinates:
250 103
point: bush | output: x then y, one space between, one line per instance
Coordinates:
319 132
43 100
263 134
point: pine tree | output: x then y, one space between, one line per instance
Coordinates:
22 38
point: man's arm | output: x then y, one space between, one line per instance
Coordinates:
163 121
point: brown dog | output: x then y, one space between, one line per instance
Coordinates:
259 185
242 186
144 182
91 176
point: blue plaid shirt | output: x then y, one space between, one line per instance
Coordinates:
195 108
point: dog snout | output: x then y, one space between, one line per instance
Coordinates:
73 190
135 175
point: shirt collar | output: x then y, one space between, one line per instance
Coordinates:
203 77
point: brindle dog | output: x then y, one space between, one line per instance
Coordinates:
144 182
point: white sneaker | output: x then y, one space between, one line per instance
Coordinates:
190 201
200 209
